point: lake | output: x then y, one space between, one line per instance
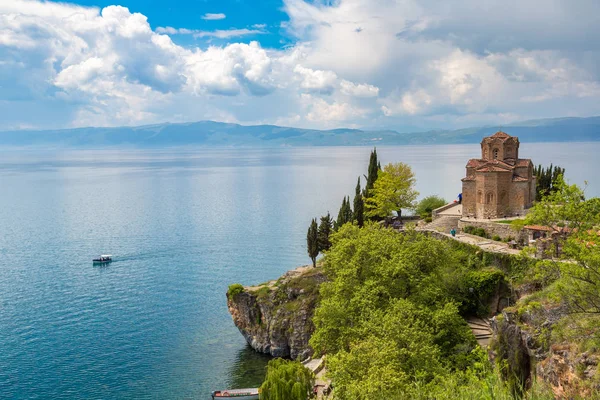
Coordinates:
182 225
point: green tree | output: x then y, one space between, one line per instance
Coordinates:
546 179
392 191
325 229
386 318
312 241
428 204
287 380
359 206
372 173
574 223
344 215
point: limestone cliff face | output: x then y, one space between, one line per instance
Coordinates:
524 339
276 317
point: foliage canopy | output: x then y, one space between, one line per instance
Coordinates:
428 204
286 380
392 191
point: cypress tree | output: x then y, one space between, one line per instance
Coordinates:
325 228
373 170
546 179
359 206
347 211
312 241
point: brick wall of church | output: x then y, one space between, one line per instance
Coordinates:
469 199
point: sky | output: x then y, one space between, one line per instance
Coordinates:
374 64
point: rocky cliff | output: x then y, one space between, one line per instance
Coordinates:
530 338
276 317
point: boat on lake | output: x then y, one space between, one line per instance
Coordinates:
238 394
103 259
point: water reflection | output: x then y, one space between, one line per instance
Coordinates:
249 369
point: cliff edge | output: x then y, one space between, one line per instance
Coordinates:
276 317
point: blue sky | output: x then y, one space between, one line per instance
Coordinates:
239 14
405 65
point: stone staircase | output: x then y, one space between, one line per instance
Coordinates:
443 224
481 329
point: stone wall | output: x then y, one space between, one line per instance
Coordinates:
505 231
435 213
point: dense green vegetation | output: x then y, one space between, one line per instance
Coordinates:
391 320
234 290
475 231
428 204
546 179
286 380
393 190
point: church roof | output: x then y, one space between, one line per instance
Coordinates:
493 168
523 162
489 165
517 178
501 135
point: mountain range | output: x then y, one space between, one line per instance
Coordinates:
210 133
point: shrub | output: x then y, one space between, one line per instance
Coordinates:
475 231
234 290
428 204
428 219
496 238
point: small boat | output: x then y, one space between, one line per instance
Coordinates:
238 394
103 259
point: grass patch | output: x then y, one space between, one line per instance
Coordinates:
234 290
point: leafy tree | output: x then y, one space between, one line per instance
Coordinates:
287 380
392 191
325 229
428 204
312 241
387 317
574 224
359 206
345 213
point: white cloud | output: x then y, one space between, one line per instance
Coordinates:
358 90
317 81
425 62
213 17
219 33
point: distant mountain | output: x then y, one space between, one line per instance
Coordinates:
209 133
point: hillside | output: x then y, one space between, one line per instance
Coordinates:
209 133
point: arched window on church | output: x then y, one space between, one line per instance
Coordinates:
495 152
489 198
480 197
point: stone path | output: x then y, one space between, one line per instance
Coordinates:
317 365
481 329
443 224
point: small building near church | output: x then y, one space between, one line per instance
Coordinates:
499 184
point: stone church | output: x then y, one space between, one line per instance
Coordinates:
499 184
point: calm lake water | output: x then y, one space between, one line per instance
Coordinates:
183 225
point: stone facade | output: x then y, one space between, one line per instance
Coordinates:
499 184
504 231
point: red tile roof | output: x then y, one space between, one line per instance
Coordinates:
522 162
501 135
517 178
537 228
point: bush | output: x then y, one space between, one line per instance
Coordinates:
428 204
497 238
428 219
475 231
234 290
287 380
